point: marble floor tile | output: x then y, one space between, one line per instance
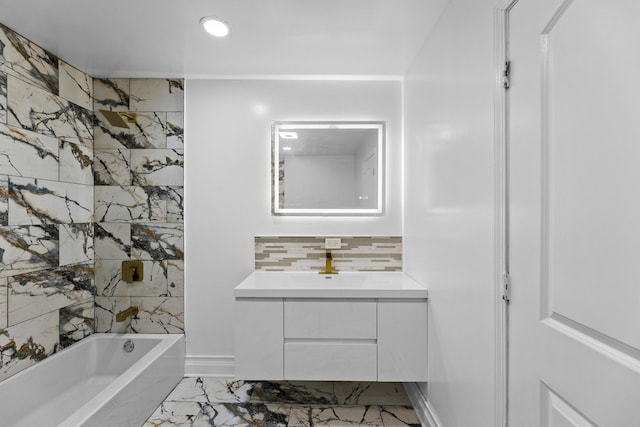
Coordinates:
204 389
294 392
307 416
370 393
399 416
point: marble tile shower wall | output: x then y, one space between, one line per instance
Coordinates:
138 174
381 253
46 204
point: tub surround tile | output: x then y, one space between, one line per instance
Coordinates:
112 241
175 278
157 167
33 109
28 154
109 281
28 342
28 248
159 241
3 302
175 130
77 321
106 309
111 94
157 95
37 201
3 97
76 161
76 243
34 294
112 166
149 131
4 200
158 315
28 61
75 85
139 204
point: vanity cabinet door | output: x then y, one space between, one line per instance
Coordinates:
259 340
330 360
402 340
330 319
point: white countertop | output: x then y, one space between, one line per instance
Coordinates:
306 284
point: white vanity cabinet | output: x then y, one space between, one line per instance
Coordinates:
321 333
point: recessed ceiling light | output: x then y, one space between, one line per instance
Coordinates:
215 26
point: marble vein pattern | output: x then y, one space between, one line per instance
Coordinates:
157 241
77 321
110 94
75 85
24 59
109 281
28 154
112 166
175 278
175 129
37 201
139 204
3 97
158 315
157 167
24 344
33 294
361 253
3 302
105 312
4 200
219 402
148 131
76 161
157 94
28 248
76 243
112 241
34 109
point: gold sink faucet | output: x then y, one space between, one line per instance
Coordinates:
122 316
328 267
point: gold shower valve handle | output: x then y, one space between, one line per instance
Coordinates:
132 271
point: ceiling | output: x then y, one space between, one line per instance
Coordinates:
163 38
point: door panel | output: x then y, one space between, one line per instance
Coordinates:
575 213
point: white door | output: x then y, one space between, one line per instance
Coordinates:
574 173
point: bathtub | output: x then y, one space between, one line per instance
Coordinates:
95 383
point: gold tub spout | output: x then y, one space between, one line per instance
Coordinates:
122 316
328 267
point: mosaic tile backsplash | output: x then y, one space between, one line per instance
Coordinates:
280 253
78 196
47 281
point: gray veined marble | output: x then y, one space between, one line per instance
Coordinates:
36 201
28 248
28 61
139 204
76 243
3 302
105 311
148 131
158 315
157 95
219 414
34 109
112 166
175 130
33 294
159 241
109 281
111 94
75 85
77 321
28 342
28 154
76 162
4 200
157 167
112 241
3 97
175 278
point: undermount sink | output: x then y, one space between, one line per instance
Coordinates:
307 284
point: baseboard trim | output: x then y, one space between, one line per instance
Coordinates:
209 366
423 408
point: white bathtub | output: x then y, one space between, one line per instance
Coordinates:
95 383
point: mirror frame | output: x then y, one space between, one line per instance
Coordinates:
278 126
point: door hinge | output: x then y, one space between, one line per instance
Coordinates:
506 287
506 73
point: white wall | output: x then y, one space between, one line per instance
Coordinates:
227 184
449 208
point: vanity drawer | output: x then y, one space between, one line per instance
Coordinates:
330 319
331 361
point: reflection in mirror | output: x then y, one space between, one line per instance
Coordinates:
322 168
